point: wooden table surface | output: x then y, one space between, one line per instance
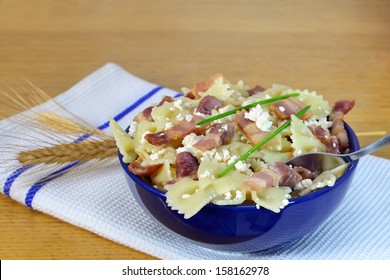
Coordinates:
339 48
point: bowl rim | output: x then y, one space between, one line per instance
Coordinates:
353 142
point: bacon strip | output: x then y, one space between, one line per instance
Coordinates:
158 139
321 134
288 176
287 107
260 180
186 165
251 131
279 174
208 103
255 90
209 142
146 114
203 87
192 95
143 171
178 131
166 98
339 131
340 108
219 134
304 172
334 145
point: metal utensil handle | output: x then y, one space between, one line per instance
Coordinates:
381 143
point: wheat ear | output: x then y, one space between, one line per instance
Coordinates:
70 152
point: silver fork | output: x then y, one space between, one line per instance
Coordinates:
319 162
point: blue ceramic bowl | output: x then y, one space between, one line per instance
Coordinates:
244 228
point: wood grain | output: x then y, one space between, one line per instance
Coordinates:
339 48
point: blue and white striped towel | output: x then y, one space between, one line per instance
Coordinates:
99 200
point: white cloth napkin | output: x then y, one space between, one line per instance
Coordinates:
99 199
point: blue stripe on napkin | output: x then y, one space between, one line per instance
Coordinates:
11 178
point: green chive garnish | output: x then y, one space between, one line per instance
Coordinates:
231 112
259 145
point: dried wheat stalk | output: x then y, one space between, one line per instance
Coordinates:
59 123
70 152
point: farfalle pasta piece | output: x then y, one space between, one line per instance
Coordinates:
273 199
219 89
239 148
270 157
164 175
187 198
303 140
123 141
232 197
174 112
319 107
209 168
326 178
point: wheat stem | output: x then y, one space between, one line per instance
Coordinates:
372 133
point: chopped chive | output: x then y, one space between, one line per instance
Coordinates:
259 145
231 112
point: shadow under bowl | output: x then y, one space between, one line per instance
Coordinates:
244 228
